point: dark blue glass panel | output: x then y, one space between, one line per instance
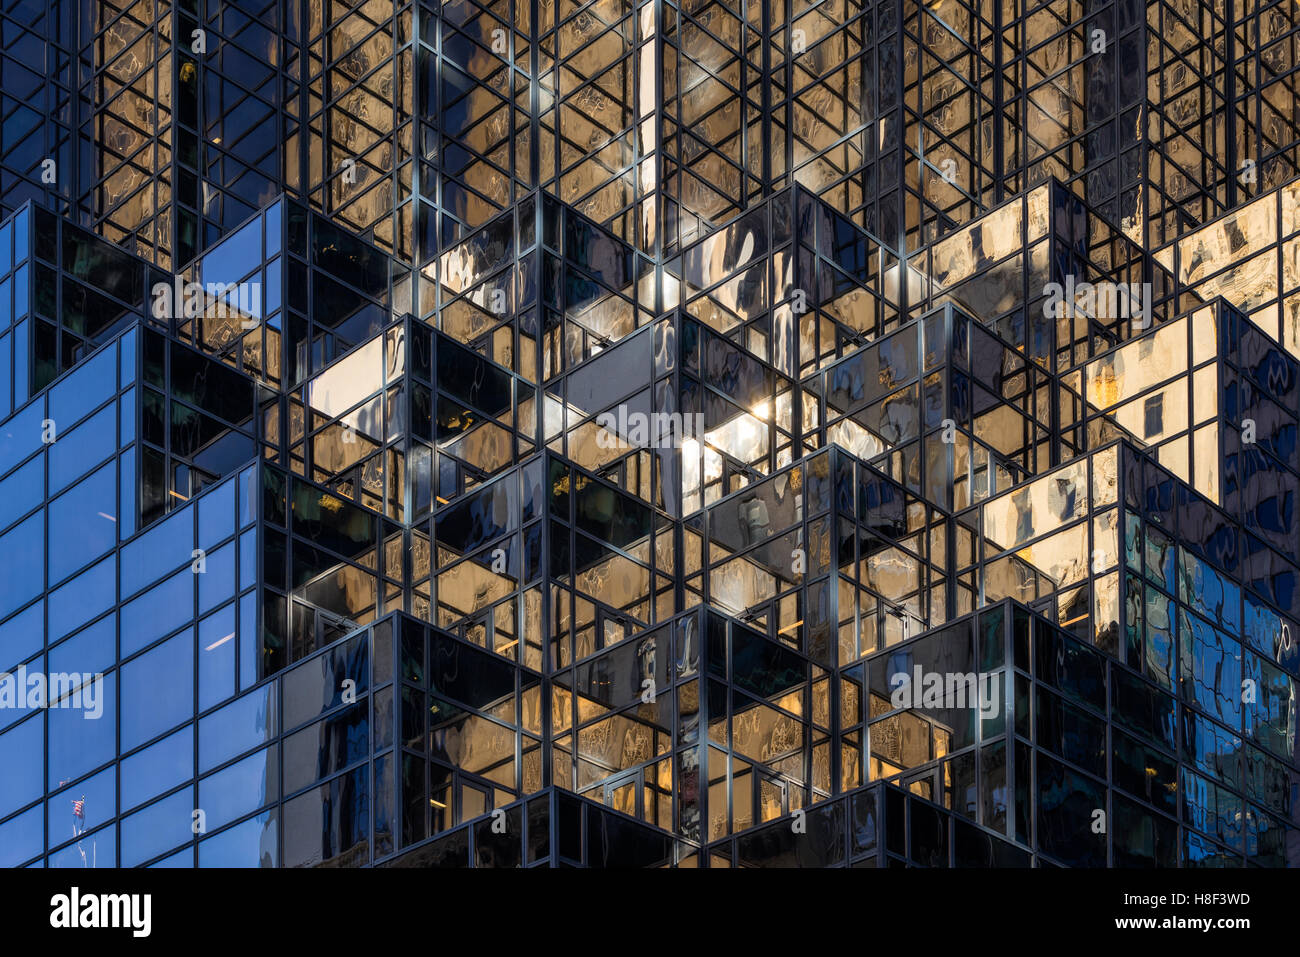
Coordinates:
127 346
22 224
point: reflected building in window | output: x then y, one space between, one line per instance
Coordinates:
650 434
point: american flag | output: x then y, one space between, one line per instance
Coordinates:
79 808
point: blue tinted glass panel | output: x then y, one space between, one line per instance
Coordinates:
21 750
158 690
158 768
20 637
85 388
217 583
248 559
98 850
21 227
216 515
21 435
18 702
126 489
158 612
20 838
83 598
273 220
22 284
252 843
84 806
22 354
245 786
6 375
22 491
238 727
22 563
274 271
158 828
233 258
83 737
217 658
83 522
126 416
247 640
158 551
248 489
93 650
84 447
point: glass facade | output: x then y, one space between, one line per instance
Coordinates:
649 433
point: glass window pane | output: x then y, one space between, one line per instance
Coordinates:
85 446
245 786
93 850
83 522
21 751
22 563
252 843
239 726
83 737
82 807
161 610
158 828
158 690
82 598
20 838
86 387
158 768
